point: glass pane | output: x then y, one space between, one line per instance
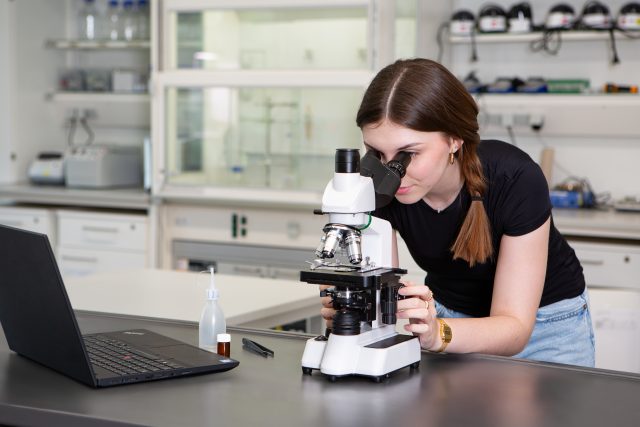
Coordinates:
406 27
280 138
275 38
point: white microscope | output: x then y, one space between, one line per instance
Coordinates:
364 289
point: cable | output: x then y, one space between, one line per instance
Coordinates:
474 49
73 124
544 43
512 135
615 59
85 126
444 26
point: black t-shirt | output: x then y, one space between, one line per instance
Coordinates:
517 202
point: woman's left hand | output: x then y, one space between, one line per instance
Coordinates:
419 308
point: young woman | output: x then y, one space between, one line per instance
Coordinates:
476 216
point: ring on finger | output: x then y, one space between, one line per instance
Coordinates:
426 304
430 295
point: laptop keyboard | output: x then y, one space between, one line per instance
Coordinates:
122 359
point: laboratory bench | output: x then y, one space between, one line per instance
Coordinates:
446 390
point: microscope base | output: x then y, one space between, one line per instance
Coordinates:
375 354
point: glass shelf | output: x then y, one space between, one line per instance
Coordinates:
97 44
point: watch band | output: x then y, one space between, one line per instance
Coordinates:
445 334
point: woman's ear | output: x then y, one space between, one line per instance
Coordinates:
455 144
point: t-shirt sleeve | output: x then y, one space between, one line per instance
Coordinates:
527 205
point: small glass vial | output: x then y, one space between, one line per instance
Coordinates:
224 345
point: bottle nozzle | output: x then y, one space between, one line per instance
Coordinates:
212 291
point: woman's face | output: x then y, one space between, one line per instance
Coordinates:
429 170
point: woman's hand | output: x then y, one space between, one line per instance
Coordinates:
418 307
327 310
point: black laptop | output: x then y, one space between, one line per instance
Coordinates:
39 323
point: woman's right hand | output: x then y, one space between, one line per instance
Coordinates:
327 310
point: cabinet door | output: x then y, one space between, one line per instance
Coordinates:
299 34
81 262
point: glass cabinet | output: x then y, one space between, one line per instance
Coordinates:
274 137
259 94
296 37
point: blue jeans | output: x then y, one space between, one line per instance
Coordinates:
563 332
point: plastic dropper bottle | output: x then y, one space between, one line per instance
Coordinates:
212 320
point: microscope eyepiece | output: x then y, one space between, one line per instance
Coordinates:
399 163
347 160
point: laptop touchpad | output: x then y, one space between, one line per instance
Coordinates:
188 354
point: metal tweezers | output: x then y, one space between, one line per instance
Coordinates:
254 347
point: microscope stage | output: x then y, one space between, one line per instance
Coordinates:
367 279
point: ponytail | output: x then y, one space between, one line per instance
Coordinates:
474 242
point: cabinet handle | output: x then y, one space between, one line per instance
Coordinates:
100 229
591 261
79 259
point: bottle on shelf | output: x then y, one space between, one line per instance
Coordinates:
129 20
143 20
114 32
212 320
89 21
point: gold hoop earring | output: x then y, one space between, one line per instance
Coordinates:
451 158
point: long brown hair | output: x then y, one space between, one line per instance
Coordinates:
424 96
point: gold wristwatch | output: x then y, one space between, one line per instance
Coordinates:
445 334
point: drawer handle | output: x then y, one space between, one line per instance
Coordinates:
79 259
592 262
100 229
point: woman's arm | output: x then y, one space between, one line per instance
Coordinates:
517 289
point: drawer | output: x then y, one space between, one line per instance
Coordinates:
609 265
38 220
81 262
102 231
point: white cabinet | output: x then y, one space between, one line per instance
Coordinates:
32 219
609 265
612 273
92 242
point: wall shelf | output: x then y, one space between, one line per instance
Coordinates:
97 97
529 37
97 44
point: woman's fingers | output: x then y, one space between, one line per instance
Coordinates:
327 313
417 328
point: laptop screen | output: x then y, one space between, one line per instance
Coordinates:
36 315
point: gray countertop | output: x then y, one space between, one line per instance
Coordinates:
124 198
447 390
